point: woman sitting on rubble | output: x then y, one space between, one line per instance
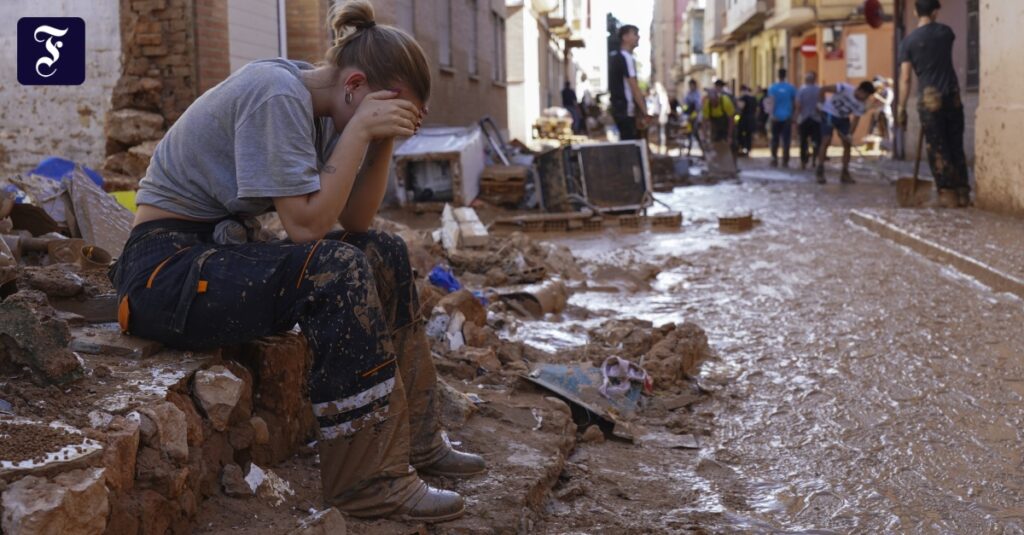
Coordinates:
314 144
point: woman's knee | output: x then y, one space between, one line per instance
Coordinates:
333 262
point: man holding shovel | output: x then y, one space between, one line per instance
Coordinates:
846 101
928 51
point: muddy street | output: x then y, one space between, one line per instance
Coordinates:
857 386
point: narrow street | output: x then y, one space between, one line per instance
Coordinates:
857 386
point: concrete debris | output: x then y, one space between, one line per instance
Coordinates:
456 407
472 233
169 433
99 218
234 483
268 485
73 502
217 391
261 434
593 434
122 446
465 302
326 522
31 335
677 356
57 280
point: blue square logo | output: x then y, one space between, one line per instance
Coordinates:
51 51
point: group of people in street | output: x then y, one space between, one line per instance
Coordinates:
820 114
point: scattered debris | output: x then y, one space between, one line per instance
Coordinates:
217 391
740 223
593 434
538 300
31 335
580 385
233 482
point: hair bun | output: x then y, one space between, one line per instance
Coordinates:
351 15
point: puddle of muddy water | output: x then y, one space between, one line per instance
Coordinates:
857 386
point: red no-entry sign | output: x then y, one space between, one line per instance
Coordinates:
809 48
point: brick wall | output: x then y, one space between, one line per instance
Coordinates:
308 36
157 83
213 61
457 97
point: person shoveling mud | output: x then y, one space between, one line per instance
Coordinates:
928 52
846 101
315 145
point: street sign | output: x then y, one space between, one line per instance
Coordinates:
809 47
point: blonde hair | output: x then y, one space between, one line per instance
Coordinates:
387 55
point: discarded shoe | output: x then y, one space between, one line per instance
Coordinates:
431 506
455 464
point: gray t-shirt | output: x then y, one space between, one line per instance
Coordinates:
249 139
808 99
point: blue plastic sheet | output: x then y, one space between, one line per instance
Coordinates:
58 169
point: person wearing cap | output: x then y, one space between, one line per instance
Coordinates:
928 52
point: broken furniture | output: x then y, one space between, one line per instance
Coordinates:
504 185
440 165
606 177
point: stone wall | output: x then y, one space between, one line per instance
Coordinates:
157 83
67 121
162 457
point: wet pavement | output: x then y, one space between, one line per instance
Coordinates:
857 387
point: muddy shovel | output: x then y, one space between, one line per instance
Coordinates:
912 191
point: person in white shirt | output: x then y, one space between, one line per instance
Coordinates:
626 97
846 101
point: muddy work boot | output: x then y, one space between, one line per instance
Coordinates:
845 178
963 198
820 174
947 198
431 505
455 464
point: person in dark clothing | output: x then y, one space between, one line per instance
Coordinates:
928 52
627 100
762 114
809 120
748 120
571 105
314 145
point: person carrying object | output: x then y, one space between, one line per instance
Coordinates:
845 102
313 144
928 53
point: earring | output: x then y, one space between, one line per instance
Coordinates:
348 97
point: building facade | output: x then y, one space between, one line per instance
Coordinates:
148 60
542 37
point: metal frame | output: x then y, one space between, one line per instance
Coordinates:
646 169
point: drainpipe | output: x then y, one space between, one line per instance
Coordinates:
899 141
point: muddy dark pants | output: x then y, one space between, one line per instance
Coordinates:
810 138
353 296
782 131
942 118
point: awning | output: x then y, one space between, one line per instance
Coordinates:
794 17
